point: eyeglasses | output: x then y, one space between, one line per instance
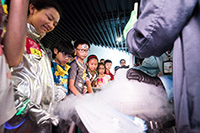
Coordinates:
66 55
82 50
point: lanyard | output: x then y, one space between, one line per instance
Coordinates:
79 64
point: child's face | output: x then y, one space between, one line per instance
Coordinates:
43 20
102 61
108 65
92 64
82 51
62 58
101 69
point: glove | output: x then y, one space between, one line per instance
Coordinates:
26 107
134 74
129 25
42 117
60 93
55 120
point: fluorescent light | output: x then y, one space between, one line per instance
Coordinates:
119 39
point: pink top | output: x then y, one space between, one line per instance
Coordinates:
103 80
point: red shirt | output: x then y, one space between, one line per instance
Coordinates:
111 75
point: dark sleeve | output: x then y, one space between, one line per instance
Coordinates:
73 70
158 26
112 76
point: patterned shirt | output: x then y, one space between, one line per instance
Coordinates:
60 74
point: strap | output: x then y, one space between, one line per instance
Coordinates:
23 108
10 127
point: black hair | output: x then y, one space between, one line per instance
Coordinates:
116 68
119 67
101 60
92 57
122 60
65 47
41 4
101 64
81 41
107 61
45 4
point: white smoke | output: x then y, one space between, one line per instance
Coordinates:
138 99
121 95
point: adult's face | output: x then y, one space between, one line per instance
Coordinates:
123 63
43 20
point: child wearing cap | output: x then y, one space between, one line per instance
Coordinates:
63 54
77 76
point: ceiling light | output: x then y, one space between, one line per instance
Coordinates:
119 39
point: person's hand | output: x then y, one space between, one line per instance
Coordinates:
84 90
134 74
60 93
94 83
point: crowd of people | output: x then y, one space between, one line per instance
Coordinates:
31 83
70 71
37 83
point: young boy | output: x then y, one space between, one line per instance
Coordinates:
63 54
77 75
108 64
102 61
